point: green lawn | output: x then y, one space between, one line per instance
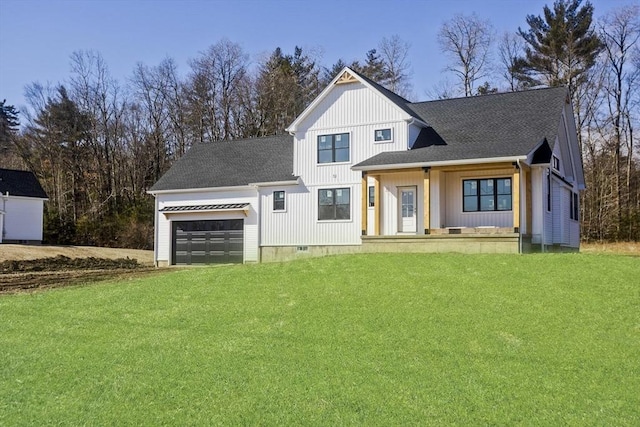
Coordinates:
547 339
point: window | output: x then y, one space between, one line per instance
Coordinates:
333 148
278 201
382 135
574 208
372 196
493 194
548 191
334 203
556 163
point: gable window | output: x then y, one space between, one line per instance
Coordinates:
483 195
334 203
382 135
278 201
333 148
372 196
556 163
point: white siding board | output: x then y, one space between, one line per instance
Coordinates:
351 105
23 218
299 225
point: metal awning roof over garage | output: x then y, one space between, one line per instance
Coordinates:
227 207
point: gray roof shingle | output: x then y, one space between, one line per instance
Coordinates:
489 126
20 183
231 163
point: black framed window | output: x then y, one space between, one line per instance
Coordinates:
574 208
548 191
333 148
556 163
334 203
372 196
485 195
278 201
382 135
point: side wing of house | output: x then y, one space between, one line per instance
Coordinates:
556 184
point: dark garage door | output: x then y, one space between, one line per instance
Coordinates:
208 242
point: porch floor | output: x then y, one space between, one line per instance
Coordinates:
466 240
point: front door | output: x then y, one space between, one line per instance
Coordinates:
407 210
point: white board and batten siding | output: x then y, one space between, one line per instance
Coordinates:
241 195
23 218
353 109
298 225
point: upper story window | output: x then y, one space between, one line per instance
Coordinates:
278 201
333 148
493 194
556 163
383 135
334 203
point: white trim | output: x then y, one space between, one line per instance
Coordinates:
275 183
202 190
11 196
440 163
383 141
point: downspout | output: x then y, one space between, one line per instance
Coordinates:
4 210
155 232
520 200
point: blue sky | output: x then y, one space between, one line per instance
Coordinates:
37 37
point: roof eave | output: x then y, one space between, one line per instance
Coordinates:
200 190
460 162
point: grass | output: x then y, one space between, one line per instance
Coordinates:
546 339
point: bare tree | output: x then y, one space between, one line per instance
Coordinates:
620 32
395 54
467 41
510 49
216 78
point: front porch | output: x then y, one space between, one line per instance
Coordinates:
435 209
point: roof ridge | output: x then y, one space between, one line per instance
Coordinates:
539 89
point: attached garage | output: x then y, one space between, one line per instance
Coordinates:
208 242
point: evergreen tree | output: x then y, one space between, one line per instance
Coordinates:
560 47
9 124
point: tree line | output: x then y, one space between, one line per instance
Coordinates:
98 144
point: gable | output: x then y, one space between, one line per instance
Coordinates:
352 104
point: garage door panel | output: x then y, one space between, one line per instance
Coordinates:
208 242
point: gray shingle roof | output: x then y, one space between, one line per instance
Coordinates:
499 125
20 183
231 163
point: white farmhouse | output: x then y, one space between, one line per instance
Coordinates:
21 207
364 170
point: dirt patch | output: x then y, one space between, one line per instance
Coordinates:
21 282
25 267
26 252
